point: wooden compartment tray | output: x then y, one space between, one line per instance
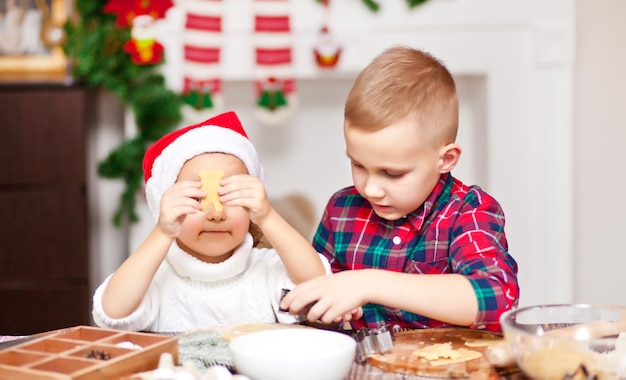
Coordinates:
84 353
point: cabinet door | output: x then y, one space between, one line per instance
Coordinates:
45 236
44 269
43 132
30 310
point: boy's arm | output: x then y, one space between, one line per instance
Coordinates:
484 285
446 297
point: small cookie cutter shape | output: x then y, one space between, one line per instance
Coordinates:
373 341
370 341
301 316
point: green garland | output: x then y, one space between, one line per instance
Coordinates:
95 45
374 6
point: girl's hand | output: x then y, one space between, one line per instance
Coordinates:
246 191
178 201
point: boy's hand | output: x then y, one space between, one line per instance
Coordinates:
177 202
246 191
335 298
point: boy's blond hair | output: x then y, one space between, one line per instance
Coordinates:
403 82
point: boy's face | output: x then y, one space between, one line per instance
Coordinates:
396 167
212 235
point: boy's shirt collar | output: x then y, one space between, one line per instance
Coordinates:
420 215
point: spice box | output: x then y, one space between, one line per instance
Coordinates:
84 353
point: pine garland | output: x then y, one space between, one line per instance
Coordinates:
374 6
95 45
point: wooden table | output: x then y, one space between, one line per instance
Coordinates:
369 372
359 371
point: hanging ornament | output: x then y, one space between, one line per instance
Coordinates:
143 48
274 79
127 10
272 95
140 15
202 40
327 50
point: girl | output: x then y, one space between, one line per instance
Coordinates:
201 267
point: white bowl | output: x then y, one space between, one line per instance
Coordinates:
289 354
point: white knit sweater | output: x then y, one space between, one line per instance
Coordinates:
187 293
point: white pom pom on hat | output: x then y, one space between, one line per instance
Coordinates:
165 158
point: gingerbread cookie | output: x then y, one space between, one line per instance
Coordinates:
210 183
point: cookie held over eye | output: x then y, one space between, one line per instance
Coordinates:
210 183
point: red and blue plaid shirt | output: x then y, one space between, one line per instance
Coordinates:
458 229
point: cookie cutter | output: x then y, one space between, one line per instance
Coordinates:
302 314
370 341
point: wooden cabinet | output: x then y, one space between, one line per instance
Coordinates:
44 258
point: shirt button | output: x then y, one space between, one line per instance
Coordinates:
397 240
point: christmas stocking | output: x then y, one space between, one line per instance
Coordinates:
274 79
202 39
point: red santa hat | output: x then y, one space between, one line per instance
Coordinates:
165 158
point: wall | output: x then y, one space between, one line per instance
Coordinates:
600 125
516 88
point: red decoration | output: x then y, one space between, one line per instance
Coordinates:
202 50
144 53
275 83
127 10
327 50
143 48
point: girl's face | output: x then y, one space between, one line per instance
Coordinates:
394 168
212 236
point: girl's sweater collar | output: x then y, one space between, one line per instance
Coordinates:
187 266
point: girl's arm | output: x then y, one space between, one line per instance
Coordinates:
298 255
300 258
130 282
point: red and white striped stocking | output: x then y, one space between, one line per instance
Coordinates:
274 78
202 41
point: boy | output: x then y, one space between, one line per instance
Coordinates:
412 245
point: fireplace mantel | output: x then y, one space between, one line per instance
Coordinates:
520 55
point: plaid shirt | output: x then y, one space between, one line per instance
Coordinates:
458 229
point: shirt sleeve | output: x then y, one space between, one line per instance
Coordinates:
139 320
479 251
323 239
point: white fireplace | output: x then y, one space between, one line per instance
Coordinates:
513 62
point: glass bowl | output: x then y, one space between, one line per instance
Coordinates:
567 341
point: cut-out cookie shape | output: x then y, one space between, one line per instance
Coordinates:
210 183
